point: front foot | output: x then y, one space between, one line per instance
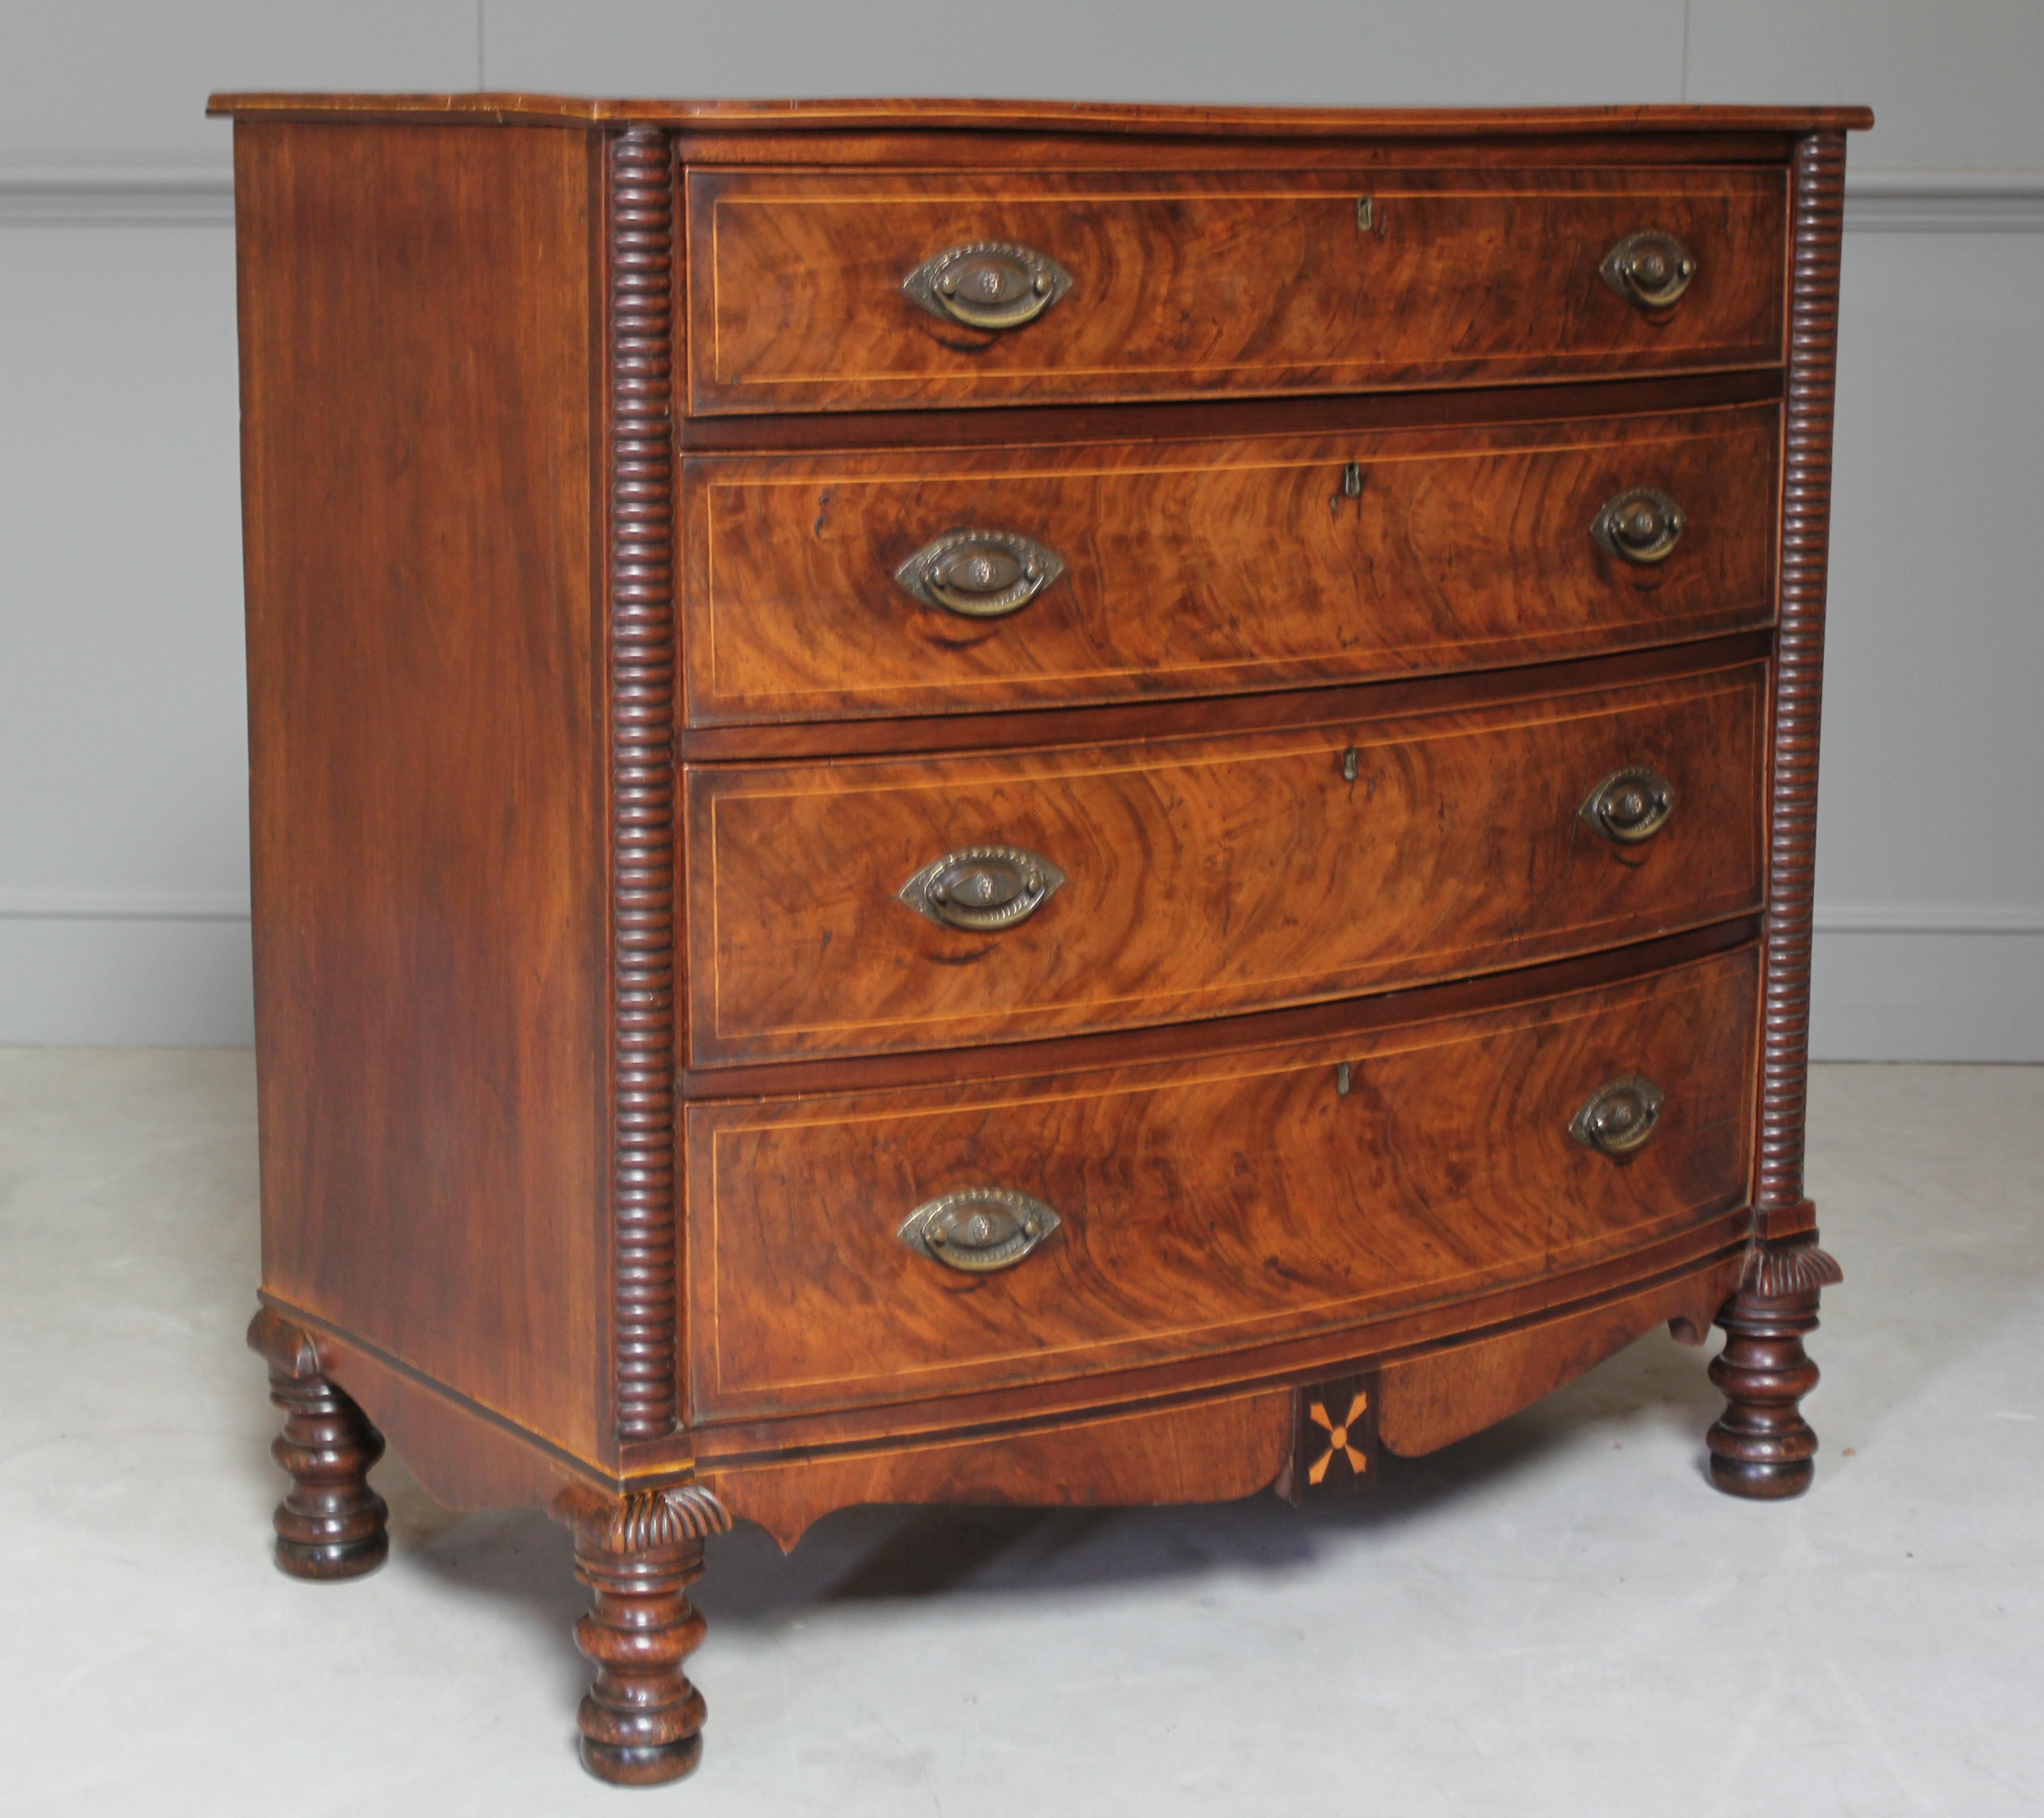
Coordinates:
331 1524
1761 1446
641 1721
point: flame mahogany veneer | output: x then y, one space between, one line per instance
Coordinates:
819 942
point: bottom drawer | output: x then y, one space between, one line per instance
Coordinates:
1186 1207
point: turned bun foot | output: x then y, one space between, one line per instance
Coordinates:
331 1524
641 1720
1761 1446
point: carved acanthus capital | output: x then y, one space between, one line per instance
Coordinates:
643 1521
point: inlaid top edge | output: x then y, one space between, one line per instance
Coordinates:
1043 116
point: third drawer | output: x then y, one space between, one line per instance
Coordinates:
885 904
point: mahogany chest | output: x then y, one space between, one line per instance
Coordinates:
998 802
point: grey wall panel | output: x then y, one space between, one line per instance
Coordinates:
1953 87
1301 52
123 854
123 82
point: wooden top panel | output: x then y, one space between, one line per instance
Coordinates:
1142 118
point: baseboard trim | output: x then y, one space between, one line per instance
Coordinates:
119 196
1928 918
30 904
1925 993
1945 202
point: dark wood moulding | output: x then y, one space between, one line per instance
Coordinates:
1501 125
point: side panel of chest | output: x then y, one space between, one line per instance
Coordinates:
425 669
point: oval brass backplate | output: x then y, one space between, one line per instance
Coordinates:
979 1229
1641 525
1650 269
1631 805
990 284
979 574
1620 1116
984 889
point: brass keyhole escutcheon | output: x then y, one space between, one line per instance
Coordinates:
1620 1115
1641 525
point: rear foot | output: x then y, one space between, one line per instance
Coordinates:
331 1524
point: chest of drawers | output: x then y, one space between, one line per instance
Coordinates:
994 802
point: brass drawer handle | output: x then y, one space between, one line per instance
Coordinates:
1641 524
984 889
1629 805
1651 269
979 574
990 284
1620 1115
979 1229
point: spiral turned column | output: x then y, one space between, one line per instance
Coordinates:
641 585
1762 1447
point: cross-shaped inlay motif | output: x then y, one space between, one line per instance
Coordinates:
1337 1436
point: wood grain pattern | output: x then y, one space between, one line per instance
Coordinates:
1209 875
426 749
1700 123
910 147
464 1456
1210 1452
1208 567
1432 1326
640 200
1205 1203
1027 729
796 303
1224 419
1431 1401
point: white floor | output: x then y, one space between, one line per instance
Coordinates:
1559 1616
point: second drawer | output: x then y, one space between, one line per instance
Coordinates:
866 584
861 907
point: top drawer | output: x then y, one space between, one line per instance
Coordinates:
804 286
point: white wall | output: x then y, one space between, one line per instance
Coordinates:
123 846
